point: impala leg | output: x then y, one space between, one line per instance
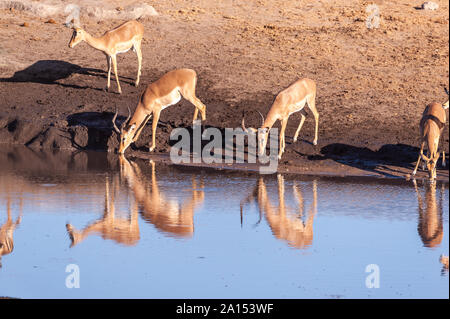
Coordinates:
434 159
282 137
302 120
136 136
154 125
418 160
443 158
199 106
139 56
114 62
188 92
312 106
108 60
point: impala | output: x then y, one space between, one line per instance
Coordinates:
167 214
7 231
118 40
285 224
159 95
121 230
287 102
430 223
431 127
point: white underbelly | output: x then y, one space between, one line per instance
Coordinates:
123 51
299 106
174 98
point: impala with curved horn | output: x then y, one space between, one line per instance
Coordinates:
159 95
118 40
119 131
287 102
431 127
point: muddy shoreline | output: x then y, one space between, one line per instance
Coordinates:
372 84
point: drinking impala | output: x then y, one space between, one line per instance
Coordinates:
287 102
431 127
159 95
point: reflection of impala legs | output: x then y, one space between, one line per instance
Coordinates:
285 224
7 230
166 214
430 225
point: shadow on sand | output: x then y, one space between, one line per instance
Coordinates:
51 71
400 155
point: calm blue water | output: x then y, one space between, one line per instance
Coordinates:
143 230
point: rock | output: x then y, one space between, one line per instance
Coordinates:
50 21
25 24
52 138
80 136
430 5
113 142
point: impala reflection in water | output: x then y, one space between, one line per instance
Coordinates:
165 214
7 231
176 232
121 230
430 224
286 224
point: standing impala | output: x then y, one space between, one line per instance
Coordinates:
118 40
431 127
287 102
159 95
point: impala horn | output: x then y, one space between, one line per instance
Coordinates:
445 105
124 122
262 118
114 122
128 118
243 123
251 128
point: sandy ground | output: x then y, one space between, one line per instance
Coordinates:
372 84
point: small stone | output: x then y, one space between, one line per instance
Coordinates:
430 5
25 24
50 21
